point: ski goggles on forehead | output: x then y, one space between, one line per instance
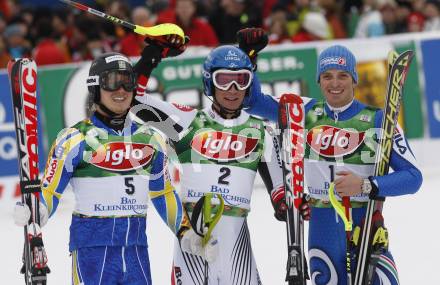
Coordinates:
114 79
224 78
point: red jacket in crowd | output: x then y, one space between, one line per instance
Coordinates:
200 32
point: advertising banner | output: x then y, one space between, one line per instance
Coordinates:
281 69
8 145
431 64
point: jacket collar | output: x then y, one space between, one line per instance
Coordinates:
344 113
108 126
241 119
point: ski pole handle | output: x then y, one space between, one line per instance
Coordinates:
202 212
339 208
154 31
209 219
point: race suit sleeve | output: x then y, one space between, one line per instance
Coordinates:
164 197
260 104
406 178
270 166
266 106
64 156
171 119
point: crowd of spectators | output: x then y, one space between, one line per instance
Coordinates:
56 33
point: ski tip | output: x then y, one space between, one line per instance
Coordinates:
11 64
392 56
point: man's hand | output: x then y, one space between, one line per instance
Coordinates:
156 49
22 214
172 45
304 208
280 207
251 41
191 242
348 184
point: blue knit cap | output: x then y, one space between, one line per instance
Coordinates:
337 57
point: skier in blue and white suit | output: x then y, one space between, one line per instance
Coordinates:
340 147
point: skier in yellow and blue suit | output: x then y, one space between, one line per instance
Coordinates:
114 167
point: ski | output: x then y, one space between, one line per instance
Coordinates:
373 239
23 82
291 124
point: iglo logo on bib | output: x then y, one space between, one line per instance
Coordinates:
331 141
121 156
222 145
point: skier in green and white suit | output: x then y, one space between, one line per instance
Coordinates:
220 149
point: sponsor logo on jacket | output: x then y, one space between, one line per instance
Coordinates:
331 141
51 168
122 156
222 145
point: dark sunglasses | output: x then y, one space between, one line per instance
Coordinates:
114 79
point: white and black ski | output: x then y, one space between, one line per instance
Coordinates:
291 124
369 249
23 82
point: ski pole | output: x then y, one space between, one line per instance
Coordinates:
209 219
154 31
348 224
205 209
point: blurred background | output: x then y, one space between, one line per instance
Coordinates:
63 41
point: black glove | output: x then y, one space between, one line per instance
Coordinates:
150 57
251 41
156 49
304 208
172 45
281 209
181 232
